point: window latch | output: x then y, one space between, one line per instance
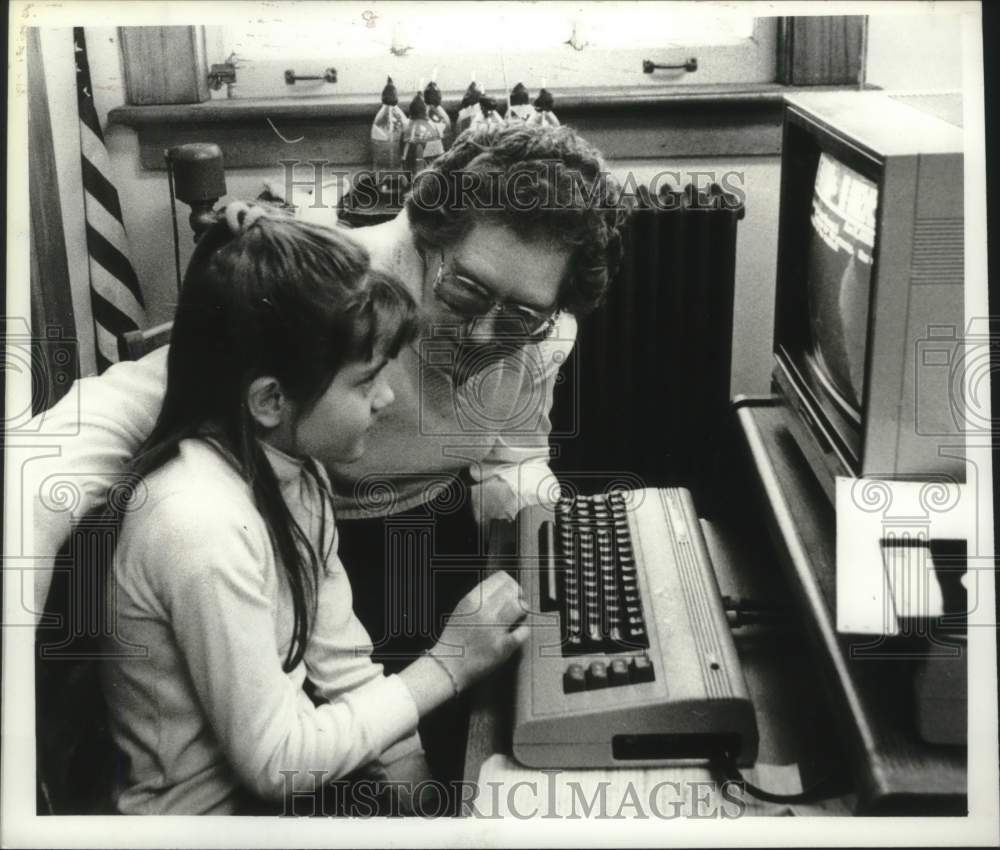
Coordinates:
328 76
223 73
648 66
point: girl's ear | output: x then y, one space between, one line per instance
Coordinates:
267 402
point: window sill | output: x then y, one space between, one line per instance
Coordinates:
638 123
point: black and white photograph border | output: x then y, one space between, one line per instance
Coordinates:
515 813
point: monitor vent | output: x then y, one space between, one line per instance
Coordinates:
938 251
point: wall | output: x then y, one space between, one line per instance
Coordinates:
145 201
908 51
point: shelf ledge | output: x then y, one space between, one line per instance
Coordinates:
625 123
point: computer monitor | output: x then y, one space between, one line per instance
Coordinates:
869 301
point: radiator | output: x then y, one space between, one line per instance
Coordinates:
645 394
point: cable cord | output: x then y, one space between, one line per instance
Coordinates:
834 784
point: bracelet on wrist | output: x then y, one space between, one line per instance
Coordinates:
451 676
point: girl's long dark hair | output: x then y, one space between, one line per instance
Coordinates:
285 299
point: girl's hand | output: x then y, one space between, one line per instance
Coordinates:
483 631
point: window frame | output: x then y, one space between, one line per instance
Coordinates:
748 62
651 122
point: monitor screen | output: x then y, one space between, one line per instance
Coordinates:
839 269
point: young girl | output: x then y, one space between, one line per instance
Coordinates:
227 590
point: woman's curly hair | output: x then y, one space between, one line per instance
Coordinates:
540 182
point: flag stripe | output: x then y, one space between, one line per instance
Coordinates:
106 224
101 188
109 317
108 256
93 149
107 348
109 288
115 296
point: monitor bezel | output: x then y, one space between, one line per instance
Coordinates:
846 432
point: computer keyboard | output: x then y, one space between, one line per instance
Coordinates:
596 579
630 659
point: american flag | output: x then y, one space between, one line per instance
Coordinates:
115 295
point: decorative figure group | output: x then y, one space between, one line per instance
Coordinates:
409 143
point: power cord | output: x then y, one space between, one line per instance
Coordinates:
834 784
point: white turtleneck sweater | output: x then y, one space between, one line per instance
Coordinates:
199 702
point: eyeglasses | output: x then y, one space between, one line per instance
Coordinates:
471 300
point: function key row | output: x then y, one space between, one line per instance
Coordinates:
607 674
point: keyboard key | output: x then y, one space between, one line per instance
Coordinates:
641 670
597 675
574 679
637 636
618 672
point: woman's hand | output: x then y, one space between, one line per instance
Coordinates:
483 630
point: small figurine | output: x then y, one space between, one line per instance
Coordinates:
387 131
418 136
437 115
543 115
470 110
488 110
520 110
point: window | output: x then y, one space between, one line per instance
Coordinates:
560 45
